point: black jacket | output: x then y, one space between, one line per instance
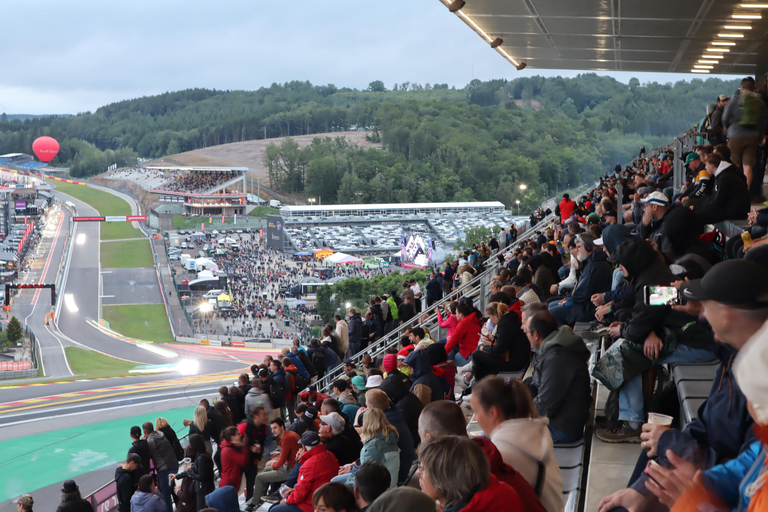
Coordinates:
307 362
730 198
675 233
125 487
140 448
560 384
202 473
646 268
511 338
236 407
342 448
73 506
596 277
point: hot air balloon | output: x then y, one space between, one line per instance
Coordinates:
45 148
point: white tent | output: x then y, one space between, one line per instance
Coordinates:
340 258
204 274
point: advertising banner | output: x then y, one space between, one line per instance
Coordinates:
275 232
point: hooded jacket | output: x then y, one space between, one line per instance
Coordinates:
233 459
147 502
426 386
507 474
729 200
342 330
223 499
392 308
646 268
525 444
384 450
497 497
404 441
256 398
125 488
318 466
465 336
729 480
560 384
596 277
162 452
298 364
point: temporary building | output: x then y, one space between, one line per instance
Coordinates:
341 259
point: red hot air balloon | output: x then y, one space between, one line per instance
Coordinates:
45 148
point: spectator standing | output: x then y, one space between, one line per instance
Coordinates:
201 470
717 129
162 425
342 331
124 485
355 331
254 437
567 205
434 290
745 117
72 500
25 502
140 447
164 460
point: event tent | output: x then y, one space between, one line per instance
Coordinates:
341 259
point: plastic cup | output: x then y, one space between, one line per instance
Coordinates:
655 418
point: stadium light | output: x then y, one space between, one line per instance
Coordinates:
705 61
699 71
523 186
755 6
496 42
745 16
703 66
723 43
729 35
737 27
456 5
719 50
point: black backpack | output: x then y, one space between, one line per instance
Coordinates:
277 395
318 361
300 382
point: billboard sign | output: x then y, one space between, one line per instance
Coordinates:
275 232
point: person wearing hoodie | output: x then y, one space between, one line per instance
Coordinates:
426 386
596 277
652 334
223 499
378 399
560 384
161 452
464 339
318 466
342 333
145 498
730 195
379 438
505 412
234 457
296 361
446 418
124 485
256 398
465 487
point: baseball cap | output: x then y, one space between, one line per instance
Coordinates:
136 431
690 157
134 457
722 97
310 439
334 420
349 362
655 198
310 413
374 381
738 282
304 395
359 382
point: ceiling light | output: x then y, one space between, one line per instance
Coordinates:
705 61
496 42
723 43
719 50
744 16
699 71
755 6
703 66
456 5
730 35
737 27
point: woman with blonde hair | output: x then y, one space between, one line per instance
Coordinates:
379 438
201 425
162 425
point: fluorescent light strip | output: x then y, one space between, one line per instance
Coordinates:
747 16
699 71
723 43
737 27
703 66
730 35
718 50
705 61
755 6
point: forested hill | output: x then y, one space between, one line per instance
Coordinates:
439 143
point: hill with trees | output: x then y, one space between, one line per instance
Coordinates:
439 143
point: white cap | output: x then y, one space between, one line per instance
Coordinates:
751 369
373 381
599 241
656 198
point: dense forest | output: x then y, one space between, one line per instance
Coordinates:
439 143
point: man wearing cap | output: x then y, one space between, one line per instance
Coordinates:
125 487
674 230
140 447
332 435
732 298
318 466
358 383
717 130
305 422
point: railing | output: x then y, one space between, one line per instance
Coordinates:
479 282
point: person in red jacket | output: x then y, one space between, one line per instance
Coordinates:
465 336
318 466
465 487
234 456
445 418
566 208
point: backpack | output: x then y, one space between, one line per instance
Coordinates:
748 110
299 382
318 361
277 395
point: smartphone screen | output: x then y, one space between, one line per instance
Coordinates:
661 295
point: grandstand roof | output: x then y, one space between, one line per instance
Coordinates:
611 35
12 155
391 206
193 168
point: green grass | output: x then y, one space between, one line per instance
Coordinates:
263 210
127 254
106 204
214 222
140 321
94 364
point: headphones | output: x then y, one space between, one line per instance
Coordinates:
587 245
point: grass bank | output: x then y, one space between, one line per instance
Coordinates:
94 364
140 321
106 204
127 254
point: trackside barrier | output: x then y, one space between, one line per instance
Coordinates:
104 499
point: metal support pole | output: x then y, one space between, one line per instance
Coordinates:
678 166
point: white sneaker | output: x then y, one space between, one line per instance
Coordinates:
466 368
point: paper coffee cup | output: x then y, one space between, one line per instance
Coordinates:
655 418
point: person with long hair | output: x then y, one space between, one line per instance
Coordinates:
201 470
505 349
72 500
455 472
146 498
162 425
201 425
379 443
225 411
234 457
504 410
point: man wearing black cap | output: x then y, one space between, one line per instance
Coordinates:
141 448
124 481
716 128
733 298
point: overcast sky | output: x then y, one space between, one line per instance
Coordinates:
64 57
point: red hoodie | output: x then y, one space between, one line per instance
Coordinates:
290 380
465 336
508 475
233 458
318 466
497 497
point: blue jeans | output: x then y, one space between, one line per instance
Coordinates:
165 489
457 358
631 392
560 437
561 313
286 508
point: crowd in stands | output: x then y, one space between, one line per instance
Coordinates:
390 435
198 182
